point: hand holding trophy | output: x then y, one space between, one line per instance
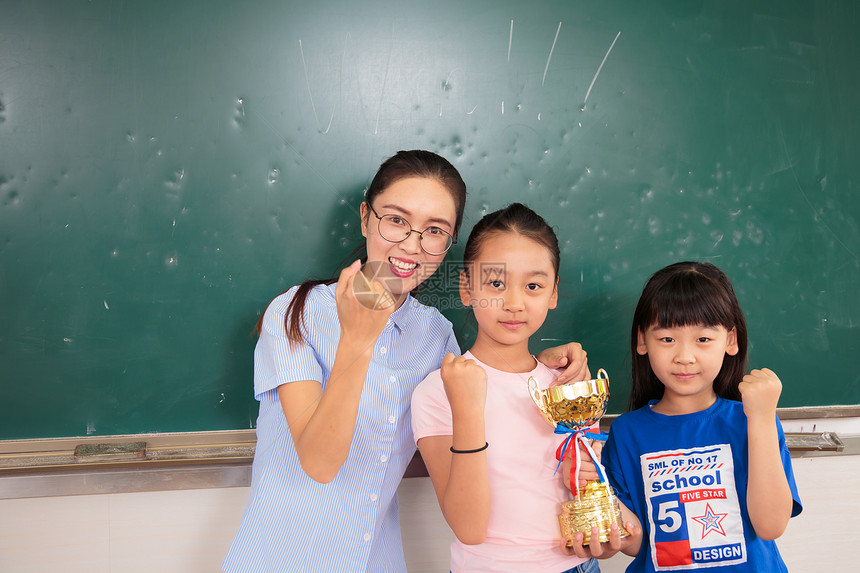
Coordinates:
572 409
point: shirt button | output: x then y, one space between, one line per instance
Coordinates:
392 379
367 537
391 419
383 458
383 350
373 497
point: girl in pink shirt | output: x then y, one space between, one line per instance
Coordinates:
488 450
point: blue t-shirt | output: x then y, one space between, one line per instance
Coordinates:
293 523
685 477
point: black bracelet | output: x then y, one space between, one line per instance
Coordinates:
475 451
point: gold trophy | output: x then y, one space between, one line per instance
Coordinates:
571 409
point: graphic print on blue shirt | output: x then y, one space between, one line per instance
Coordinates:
693 508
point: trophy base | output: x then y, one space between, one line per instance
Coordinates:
595 506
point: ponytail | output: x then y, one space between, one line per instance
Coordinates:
294 318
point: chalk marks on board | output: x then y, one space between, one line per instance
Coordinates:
384 80
275 172
446 85
549 57
817 216
311 95
600 67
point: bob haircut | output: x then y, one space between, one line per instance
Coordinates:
687 294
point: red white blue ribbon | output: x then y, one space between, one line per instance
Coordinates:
579 437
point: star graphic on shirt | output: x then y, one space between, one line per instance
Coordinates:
711 521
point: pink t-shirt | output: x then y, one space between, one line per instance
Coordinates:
525 497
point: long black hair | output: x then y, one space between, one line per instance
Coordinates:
687 294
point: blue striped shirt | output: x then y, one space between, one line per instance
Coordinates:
293 523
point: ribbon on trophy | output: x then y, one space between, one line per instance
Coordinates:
579 437
574 409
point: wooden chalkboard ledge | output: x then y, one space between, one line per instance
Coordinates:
138 451
813 412
799 442
125 464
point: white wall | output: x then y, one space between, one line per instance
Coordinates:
189 530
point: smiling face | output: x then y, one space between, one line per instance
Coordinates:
511 287
687 360
423 203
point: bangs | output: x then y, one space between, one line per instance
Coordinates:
690 299
687 294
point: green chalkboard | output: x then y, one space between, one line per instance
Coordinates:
167 167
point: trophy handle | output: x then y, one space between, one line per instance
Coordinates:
534 391
537 396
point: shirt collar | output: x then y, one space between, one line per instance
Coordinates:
403 316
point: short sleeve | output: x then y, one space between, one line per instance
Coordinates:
797 507
611 463
431 412
451 345
275 362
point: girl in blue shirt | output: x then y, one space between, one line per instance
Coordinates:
701 458
334 369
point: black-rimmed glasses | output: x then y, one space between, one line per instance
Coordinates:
396 229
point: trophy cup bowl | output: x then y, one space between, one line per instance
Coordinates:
577 406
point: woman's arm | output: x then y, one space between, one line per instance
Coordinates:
460 479
322 422
768 495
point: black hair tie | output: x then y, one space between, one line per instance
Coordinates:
475 451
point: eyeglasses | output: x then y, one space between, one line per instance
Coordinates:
396 229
